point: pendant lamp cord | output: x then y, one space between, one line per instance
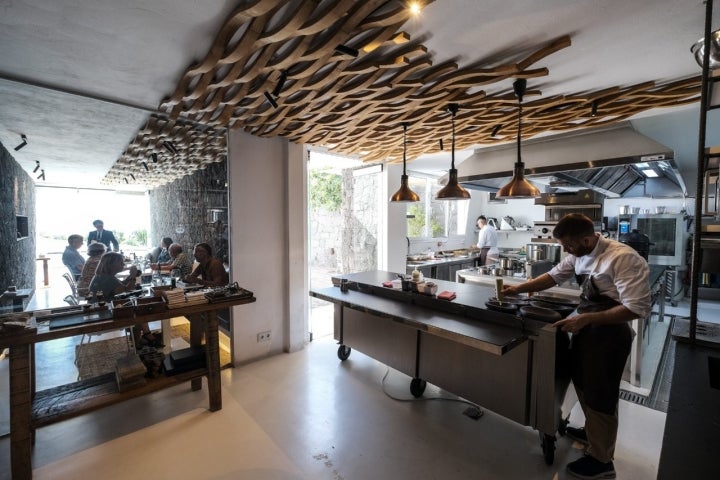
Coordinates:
405 125
519 157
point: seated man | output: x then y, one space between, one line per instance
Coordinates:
71 258
164 255
178 260
210 272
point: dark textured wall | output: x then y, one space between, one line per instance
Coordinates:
17 197
188 202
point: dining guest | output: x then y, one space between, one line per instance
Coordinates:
105 281
210 271
178 260
101 235
164 255
71 258
95 251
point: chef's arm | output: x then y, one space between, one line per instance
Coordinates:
543 282
613 316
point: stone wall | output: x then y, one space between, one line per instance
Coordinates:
17 197
193 209
346 241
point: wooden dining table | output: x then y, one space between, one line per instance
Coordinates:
30 409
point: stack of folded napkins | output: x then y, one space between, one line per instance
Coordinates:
195 298
174 298
446 295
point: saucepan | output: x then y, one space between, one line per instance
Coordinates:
540 313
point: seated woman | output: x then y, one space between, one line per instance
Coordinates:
105 281
95 251
210 271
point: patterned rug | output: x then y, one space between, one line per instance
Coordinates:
99 357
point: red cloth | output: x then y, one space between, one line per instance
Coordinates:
446 295
387 284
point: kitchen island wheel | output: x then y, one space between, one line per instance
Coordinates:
417 387
344 352
548 447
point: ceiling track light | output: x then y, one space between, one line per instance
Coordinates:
145 165
349 51
42 175
132 176
280 84
270 99
126 180
154 157
23 143
594 108
496 130
37 166
453 190
441 144
519 186
405 194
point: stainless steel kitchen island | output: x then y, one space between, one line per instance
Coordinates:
505 363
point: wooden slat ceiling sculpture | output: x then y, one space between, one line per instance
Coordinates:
275 51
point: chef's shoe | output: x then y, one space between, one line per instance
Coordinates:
577 434
589 468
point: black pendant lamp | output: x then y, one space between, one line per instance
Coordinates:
404 194
519 186
453 190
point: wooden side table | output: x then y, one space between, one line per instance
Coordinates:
46 279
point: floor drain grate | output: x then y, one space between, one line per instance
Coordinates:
633 397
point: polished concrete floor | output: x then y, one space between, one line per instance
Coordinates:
306 415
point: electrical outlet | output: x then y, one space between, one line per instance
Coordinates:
263 336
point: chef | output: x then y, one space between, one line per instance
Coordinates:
614 291
487 242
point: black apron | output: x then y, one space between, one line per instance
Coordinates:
598 353
483 255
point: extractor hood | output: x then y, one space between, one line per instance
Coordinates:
611 161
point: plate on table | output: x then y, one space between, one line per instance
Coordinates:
554 299
504 307
539 313
563 310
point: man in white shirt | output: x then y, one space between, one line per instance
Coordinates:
615 291
487 242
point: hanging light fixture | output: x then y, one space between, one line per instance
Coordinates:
519 186
404 194
453 190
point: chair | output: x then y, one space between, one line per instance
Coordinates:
71 299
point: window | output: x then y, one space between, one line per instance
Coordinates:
430 218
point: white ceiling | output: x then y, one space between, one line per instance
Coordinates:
132 53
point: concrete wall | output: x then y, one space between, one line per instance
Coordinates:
267 178
17 197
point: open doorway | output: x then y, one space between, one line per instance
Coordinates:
343 208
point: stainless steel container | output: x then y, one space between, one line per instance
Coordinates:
544 251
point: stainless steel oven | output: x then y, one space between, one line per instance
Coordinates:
667 232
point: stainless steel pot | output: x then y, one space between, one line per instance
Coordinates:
624 209
506 263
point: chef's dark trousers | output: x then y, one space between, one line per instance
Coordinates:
483 255
598 355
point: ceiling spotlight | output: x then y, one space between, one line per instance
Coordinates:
24 142
593 110
441 144
146 167
345 50
42 175
415 8
496 130
126 180
37 166
271 100
132 176
280 84
154 157
170 147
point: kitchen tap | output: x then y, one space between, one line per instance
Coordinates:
408 242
